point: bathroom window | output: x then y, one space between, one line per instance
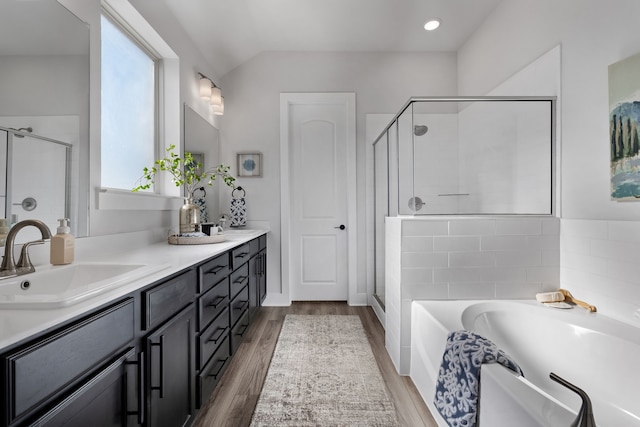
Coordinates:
129 93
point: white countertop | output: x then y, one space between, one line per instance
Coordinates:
18 324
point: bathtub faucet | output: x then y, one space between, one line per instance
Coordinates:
585 416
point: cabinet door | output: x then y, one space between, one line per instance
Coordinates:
110 398
170 350
262 275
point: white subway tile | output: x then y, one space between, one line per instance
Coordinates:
502 243
624 231
550 258
543 243
473 290
417 276
584 228
517 290
425 228
417 244
624 271
424 259
509 274
427 291
579 245
518 227
472 259
617 250
586 263
472 227
456 243
518 258
543 274
551 226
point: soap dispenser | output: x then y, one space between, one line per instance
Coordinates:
62 244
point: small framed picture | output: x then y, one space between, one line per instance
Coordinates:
249 164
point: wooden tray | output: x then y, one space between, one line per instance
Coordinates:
204 240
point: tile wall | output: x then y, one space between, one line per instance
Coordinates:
600 264
464 258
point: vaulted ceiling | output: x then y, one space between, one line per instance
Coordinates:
230 32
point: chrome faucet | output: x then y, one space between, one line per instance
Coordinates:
8 266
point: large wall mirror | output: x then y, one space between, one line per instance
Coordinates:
44 115
203 140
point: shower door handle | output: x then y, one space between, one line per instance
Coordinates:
341 227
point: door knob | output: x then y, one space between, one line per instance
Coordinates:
342 227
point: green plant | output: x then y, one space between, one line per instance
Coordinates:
185 172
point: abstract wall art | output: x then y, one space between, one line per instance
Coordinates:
624 116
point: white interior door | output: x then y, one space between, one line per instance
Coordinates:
319 137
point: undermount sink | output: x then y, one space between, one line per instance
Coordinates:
61 286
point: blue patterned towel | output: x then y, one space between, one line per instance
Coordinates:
458 386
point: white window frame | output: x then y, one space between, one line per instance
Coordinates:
166 196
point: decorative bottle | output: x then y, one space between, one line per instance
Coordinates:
62 244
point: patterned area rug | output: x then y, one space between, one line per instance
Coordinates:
323 373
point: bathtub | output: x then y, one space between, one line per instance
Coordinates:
594 352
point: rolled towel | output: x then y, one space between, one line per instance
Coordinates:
550 297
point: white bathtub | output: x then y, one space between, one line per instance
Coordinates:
594 352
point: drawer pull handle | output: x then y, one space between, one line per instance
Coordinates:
244 329
220 331
216 302
221 362
216 269
241 279
241 255
139 387
160 387
242 305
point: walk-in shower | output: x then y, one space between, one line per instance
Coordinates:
462 156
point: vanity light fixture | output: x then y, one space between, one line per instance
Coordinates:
218 109
216 96
209 90
432 24
205 87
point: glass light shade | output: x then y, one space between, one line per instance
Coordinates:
216 96
218 110
205 87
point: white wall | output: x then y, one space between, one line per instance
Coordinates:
383 82
600 238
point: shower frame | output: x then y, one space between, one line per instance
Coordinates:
393 206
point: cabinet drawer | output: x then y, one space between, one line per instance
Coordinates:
240 255
212 303
213 271
212 372
53 364
104 397
239 331
166 299
212 337
239 305
238 280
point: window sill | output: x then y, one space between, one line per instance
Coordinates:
114 199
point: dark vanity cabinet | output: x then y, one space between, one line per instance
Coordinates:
152 358
82 365
169 350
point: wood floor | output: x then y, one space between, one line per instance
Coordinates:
235 397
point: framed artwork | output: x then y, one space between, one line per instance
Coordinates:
249 164
198 158
624 119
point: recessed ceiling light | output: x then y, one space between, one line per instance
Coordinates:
432 24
